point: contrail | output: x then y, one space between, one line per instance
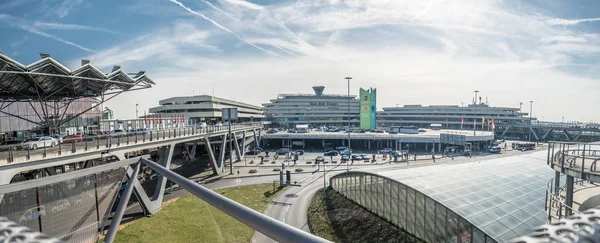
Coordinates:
37 32
218 9
222 27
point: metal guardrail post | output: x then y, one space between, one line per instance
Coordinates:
86 146
270 227
143 137
163 134
44 154
114 225
127 139
98 143
28 155
151 135
583 163
107 141
59 148
10 155
136 136
73 146
563 154
118 141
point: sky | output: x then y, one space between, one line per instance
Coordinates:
433 52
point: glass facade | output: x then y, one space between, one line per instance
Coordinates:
33 112
488 201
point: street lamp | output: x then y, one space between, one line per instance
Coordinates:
348 78
475 117
530 111
520 106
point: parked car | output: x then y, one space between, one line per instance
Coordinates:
356 157
118 133
57 137
299 169
39 142
340 148
495 149
365 157
252 171
11 144
346 152
319 159
386 150
345 157
283 151
331 153
142 131
299 151
271 131
73 138
91 137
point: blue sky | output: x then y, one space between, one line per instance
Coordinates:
427 52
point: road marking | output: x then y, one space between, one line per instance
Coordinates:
287 208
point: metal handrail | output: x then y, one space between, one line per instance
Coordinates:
145 137
552 198
268 226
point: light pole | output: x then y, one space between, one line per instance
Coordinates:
348 78
136 110
308 117
475 117
530 111
520 106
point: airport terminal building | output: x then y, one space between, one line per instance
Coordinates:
453 116
313 109
204 108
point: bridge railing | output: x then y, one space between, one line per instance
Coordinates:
42 149
582 157
74 206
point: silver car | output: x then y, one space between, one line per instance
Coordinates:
39 142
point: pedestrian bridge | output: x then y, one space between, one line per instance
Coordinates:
14 159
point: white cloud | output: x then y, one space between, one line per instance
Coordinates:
61 26
65 8
558 21
169 45
563 38
432 52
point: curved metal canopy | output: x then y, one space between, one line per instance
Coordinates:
49 80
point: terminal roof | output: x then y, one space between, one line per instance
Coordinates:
503 197
50 80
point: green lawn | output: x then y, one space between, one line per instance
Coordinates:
338 219
190 219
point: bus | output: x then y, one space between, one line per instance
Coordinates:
524 146
435 126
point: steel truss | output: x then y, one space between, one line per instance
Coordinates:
50 88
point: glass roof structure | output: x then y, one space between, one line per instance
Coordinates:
48 79
502 197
